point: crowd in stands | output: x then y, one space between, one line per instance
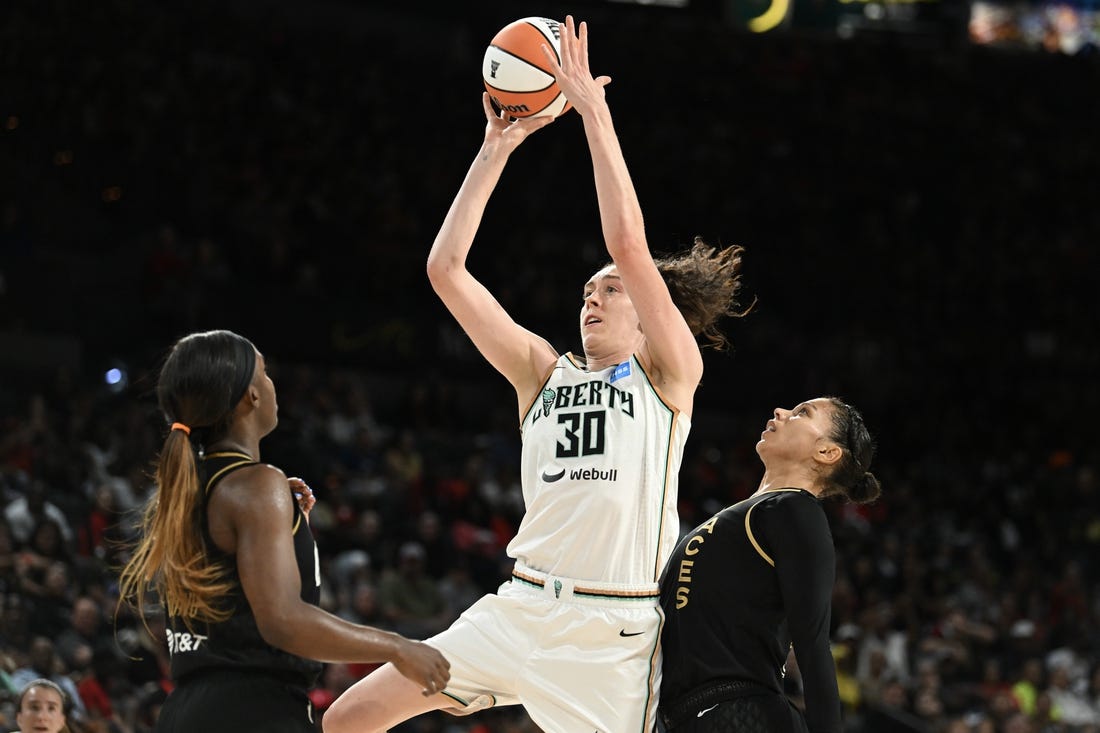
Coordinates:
920 218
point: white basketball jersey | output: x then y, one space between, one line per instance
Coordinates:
600 462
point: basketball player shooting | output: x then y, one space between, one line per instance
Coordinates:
574 635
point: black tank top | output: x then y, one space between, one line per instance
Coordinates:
235 644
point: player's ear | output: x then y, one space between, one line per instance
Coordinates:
827 453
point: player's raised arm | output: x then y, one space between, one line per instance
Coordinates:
670 347
521 356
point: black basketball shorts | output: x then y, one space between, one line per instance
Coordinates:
236 702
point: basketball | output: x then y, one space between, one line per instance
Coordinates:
516 73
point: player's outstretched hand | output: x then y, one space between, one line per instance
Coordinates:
508 133
423 665
574 78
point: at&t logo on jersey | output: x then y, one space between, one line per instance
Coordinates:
184 641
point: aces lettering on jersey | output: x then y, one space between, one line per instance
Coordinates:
694 544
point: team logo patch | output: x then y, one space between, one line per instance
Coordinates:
548 396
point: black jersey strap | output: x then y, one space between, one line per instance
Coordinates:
245 460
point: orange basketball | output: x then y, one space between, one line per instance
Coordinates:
515 71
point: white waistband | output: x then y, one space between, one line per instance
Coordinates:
585 591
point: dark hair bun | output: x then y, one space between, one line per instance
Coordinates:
866 489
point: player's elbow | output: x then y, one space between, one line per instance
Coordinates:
442 270
279 626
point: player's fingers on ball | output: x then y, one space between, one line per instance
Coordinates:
546 54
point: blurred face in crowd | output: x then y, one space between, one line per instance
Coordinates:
41 711
85 617
42 655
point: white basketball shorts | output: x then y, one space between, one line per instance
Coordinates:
581 657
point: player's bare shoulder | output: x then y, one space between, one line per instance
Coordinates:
256 486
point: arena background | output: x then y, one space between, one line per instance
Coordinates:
919 212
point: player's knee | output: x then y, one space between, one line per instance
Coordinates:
344 716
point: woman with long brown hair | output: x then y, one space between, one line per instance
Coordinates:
227 551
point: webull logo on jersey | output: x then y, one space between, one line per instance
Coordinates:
552 474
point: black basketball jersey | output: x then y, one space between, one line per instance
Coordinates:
741 588
236 644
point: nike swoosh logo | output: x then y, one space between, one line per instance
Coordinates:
552 477
622 632
701 713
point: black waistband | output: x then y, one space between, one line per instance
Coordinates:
707 695
204 674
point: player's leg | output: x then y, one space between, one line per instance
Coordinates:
484 646
378 702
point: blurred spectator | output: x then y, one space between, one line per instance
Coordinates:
439 550
100 683
9 563
26 513
42 707
891 713
50 605
145 647
1069 698
42 661
150 700
458 589
101 533
83 634
1027 688
1045 718
410 600
883 650
362 606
